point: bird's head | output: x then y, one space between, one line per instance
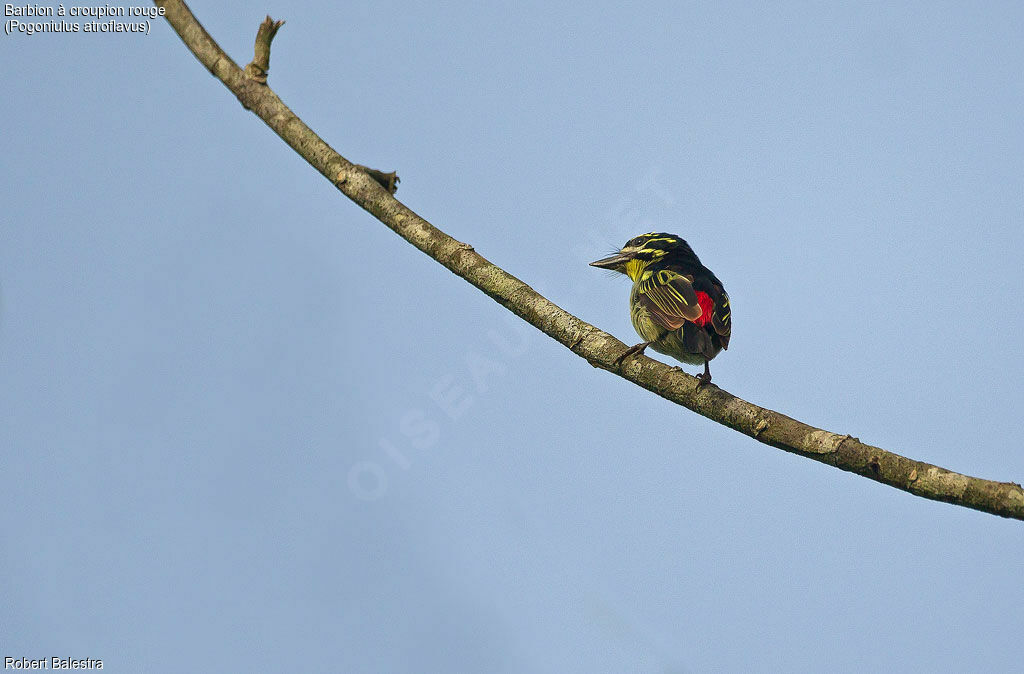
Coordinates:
640 251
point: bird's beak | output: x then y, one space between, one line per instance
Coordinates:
612 262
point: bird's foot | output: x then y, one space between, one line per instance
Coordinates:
704 378
631 351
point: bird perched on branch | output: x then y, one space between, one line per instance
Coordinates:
677 304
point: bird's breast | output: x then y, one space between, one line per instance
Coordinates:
641 318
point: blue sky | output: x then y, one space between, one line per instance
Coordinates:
247 428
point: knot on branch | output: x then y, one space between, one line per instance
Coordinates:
259 67
388 181
576 342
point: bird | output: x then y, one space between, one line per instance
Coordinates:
677 305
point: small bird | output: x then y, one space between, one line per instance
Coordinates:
677 304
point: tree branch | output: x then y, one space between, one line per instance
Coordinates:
260 64
374 193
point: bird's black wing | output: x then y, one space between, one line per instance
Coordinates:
721 318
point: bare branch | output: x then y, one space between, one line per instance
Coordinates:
598 347
260 64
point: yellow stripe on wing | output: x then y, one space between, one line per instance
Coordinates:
670 298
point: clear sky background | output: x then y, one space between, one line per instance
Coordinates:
221 448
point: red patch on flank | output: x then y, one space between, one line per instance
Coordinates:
707 307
